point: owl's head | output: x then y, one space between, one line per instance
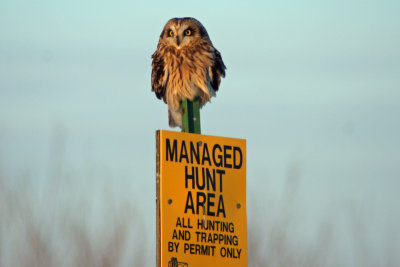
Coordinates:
180 32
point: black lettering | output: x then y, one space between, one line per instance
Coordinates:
171 153
210 225
210 180
185 247
229 253
191 176
223 252
206 155
178 222
206 177
235 241
189 203
200 224
181 235
231 227
220 172
213 225
221 207
203 184
172 246
194 153
201 203
227 156
183 153
235 158
210 203
184 235
219 162
174 234
196 249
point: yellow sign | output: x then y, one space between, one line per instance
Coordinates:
201 200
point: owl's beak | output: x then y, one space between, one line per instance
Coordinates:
178 40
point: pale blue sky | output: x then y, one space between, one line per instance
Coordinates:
311 85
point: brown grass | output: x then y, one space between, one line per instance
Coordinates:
55 226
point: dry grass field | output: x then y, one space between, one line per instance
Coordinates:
82 218
62 224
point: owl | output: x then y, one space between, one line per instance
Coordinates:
185 65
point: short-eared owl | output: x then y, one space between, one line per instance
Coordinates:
185 66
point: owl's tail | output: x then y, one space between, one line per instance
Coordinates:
174 118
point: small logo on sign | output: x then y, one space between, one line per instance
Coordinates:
174 263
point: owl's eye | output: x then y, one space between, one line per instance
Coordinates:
188 32
171 33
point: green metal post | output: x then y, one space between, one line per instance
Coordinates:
190 116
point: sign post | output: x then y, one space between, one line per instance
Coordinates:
190 112
201 200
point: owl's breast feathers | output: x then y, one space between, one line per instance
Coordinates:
181 72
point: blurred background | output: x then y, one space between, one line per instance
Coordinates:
314 87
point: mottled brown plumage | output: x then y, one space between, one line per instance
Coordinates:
185 66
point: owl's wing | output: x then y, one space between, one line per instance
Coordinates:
217 70
158 76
